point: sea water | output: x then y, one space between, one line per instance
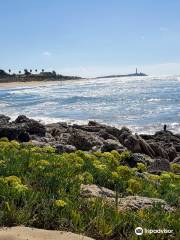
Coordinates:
142 103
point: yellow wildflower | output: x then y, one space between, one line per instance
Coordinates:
60 203
124 171
13 180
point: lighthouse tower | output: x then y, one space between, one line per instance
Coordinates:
136 71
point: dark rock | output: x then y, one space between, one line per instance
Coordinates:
64 139
83 140
159 165
31 126
4 119
141 158
111 144
172 154
146 137
14 133
11 133
60 148
145 147
124 133
137 158
22 119
103 134
132 143
87 128
92 137
23 137
158 150
108 129
55 129
177 147
96 149
69 148
38 143
135 143
94 123
177 160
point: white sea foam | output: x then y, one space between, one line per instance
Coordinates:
142 103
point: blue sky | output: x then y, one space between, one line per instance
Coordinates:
91 37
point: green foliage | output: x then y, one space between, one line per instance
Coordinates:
134 186
175 167
126 155
141 167
42 189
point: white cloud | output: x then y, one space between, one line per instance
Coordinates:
46 53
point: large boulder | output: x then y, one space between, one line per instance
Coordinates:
110 144
9 132
145 147
158 150
127 203
137 202
177 160
115 132
137 158
92 190
132 143
22 233
60 148
83 140
171 151
105 135
177 146
159 165
31 126
14 133
4 119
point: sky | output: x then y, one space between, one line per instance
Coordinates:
91 37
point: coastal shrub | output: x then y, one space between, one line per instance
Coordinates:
141 167
134 186
126 156
175 167
42 189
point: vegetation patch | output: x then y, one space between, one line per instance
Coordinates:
42 189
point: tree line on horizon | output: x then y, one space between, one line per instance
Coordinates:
25 71
42 74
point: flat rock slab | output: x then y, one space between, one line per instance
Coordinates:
127 203
26 233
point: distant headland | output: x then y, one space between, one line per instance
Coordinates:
32 75
136 74
42 75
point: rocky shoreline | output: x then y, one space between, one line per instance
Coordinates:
156 150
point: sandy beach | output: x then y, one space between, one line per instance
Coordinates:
22 233
26 84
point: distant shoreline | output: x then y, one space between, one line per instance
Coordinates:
7 79
32 83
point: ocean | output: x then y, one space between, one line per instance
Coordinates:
143 104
